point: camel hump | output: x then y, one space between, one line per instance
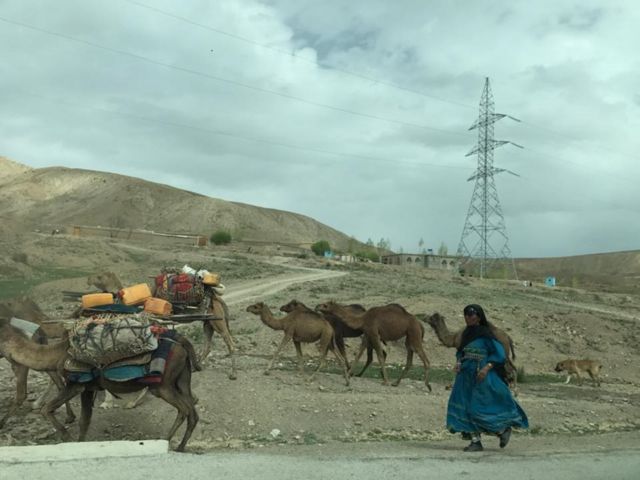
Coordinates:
357 306
391 306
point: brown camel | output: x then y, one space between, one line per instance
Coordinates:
175 387
341 329
385 323
219 308
13 345
452 340
105 282
301 326
26 309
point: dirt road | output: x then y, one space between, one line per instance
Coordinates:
255 289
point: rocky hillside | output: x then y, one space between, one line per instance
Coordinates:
39 198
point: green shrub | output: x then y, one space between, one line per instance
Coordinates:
220 237
373 256
320 247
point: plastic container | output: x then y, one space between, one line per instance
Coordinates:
96 299
211 279
135 294
157 306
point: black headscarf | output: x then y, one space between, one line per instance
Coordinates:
475 331
481 330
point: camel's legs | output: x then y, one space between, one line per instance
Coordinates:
363 345
299 356
173 397
208 330
342 350
596 381
369 355
86 400
343 361
283 344
21 373
57 380
579 378
185 407
70 391
425 362
184 385
375 341
407 365
138 400
222 327
108 401
39 402
322 361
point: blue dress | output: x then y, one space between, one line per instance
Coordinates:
485 406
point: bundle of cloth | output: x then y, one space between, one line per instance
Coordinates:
134 353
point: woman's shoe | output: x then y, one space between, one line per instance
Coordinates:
474 447
504 437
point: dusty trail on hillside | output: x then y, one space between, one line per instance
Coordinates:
255 289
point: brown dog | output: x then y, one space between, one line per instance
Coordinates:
576 367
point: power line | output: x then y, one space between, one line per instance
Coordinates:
345 71
297 57
550 156
225 80
236 136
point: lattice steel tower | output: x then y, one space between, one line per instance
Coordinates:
484 236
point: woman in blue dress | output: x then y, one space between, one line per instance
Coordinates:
480 400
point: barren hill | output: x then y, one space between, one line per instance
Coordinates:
32 198
615 271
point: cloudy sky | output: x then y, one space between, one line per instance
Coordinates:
355 113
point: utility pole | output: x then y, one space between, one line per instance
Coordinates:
484 236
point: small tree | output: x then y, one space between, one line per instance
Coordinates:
220 237
443 250
320 247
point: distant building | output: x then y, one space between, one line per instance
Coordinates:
550 281
440 262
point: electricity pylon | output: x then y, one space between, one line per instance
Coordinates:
484 236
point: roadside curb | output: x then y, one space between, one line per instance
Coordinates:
82 450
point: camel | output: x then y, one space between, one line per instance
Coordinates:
219 308
13 342
175 387
26 309
385 323
105 282
301 326
452 340
341 329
